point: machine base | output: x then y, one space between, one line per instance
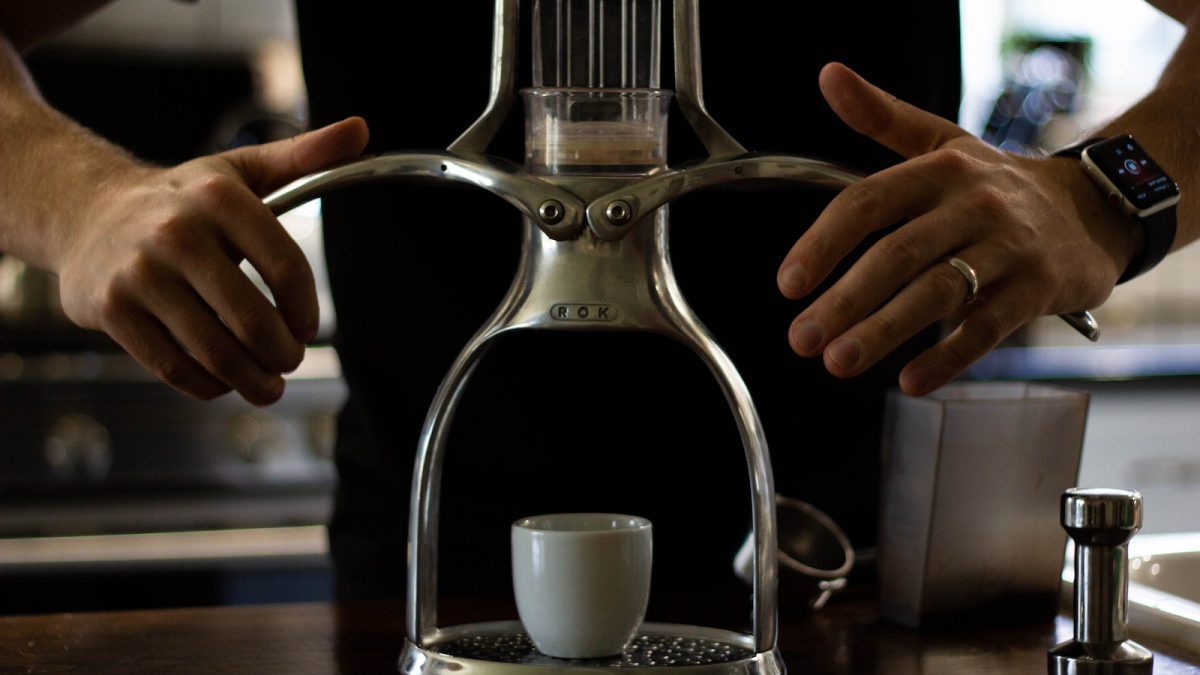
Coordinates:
503 648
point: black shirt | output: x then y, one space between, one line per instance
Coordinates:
594 422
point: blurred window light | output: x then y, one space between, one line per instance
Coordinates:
1130 42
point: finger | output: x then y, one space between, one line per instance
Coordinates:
257 324
151 345
877 114
270 166
936 293
878 201
199 332
251 231
892 262
984 326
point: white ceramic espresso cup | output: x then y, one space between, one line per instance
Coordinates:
582 581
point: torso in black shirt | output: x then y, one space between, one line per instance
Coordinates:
594 422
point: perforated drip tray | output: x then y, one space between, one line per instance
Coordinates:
503 645
645 650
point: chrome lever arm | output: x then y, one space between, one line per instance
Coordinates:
644 196
633 201
689 86
554 210
503 81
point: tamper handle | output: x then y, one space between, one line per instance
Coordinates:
1101 521
1102 509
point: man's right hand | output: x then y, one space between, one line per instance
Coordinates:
154 263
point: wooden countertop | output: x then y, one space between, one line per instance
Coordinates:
846 637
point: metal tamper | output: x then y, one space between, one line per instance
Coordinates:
1101 521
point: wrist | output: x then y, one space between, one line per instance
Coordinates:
1116 233
88 177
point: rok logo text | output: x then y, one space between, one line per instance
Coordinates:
583 312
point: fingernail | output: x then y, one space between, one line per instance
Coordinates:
913 381
293 363
845 352
793 280
807 336
310 332
305 329
275 388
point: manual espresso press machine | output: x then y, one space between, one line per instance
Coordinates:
592 195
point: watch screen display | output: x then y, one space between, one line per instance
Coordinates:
1126 164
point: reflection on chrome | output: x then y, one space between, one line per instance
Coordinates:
1164 587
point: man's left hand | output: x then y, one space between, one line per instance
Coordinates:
1038 234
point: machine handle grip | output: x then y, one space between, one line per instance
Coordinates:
556 211
633 202
657 190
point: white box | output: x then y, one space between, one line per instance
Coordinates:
972 477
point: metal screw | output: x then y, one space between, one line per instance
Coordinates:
618 212
551 211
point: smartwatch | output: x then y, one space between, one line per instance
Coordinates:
1136 185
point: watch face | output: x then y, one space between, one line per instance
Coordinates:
1142 182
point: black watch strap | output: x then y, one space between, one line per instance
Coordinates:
1158 233
1158 229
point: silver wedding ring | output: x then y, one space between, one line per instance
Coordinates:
969 276
1083 322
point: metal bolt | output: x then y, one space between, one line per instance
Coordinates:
551 211
618 212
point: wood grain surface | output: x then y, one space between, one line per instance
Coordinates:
847 637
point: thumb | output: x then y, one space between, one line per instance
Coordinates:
270 166
873 112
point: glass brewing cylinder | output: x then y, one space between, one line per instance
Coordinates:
596 107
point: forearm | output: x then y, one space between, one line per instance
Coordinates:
1165 122
50 168
150 255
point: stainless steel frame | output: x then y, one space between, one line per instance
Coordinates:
614 275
